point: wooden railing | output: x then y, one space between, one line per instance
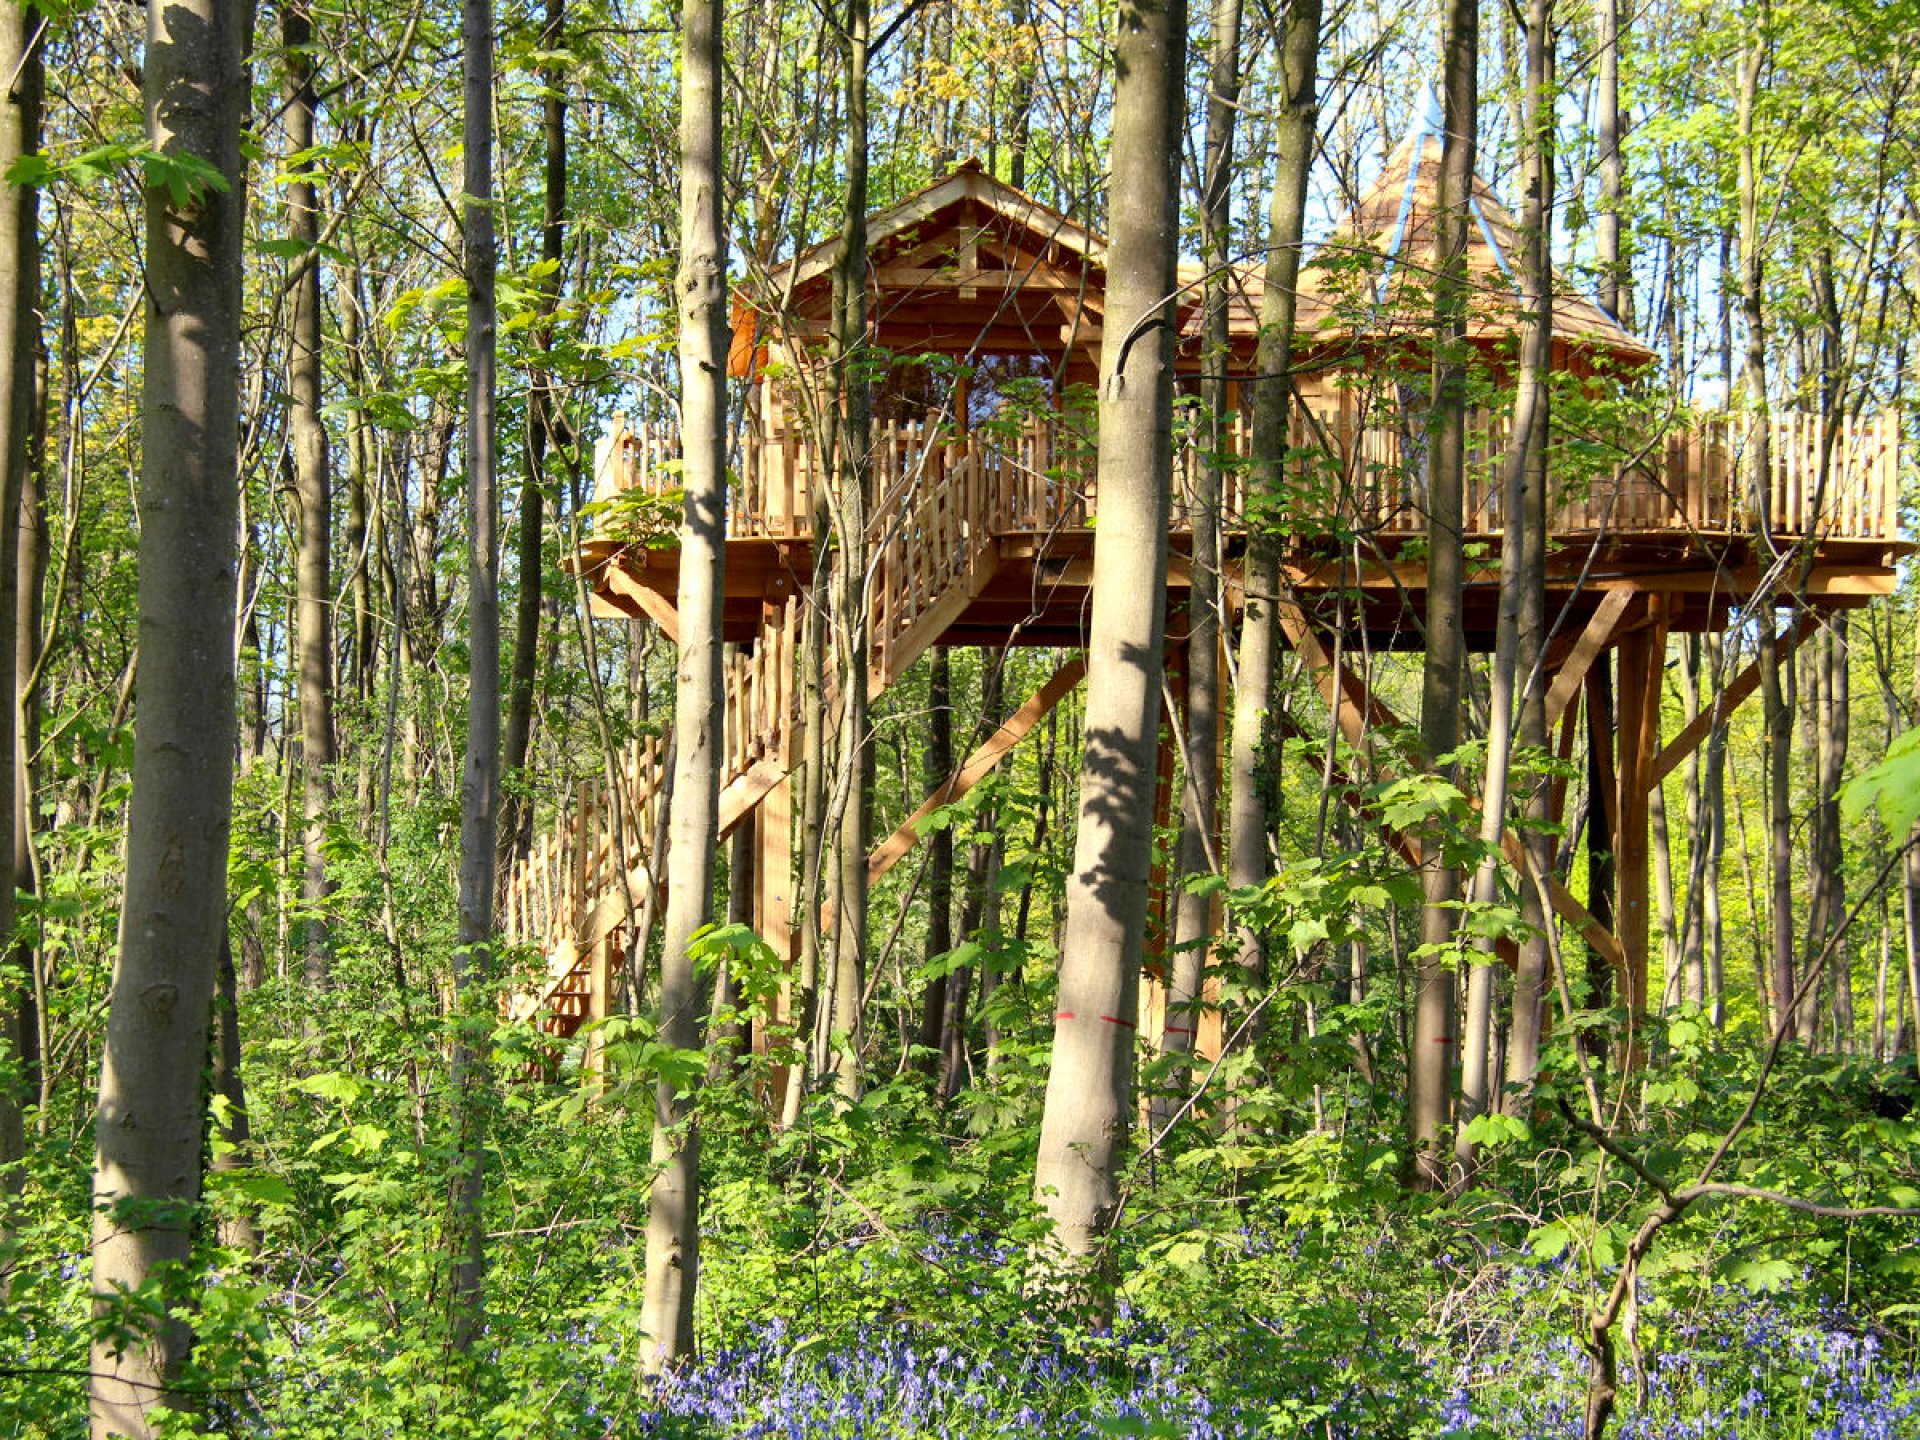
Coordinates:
1037 475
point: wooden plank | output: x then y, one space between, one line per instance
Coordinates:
1589 647
1731 698
889 852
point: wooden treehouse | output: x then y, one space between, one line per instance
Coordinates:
989 305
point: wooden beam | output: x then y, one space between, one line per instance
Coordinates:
1589 647
656 606
890 851
1355 707
1731 698
739 798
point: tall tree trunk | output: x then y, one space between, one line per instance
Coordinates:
1430 1064
1253 757
21 59
1829 882
852 468
1614 284
1199 808
543 402
699 699
312 489
238 1230
1713 791
1020 101
1776 716
364 532
1529 458
1083 1130
939 765
480 772
146 1180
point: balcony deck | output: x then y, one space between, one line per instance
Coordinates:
1018 501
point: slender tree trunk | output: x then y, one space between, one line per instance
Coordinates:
543 403
1430 1066
1083 1130
1199 808
146 1180
364 533
699 704
1020 100
982 868
852 468
1714 803
939 765
1614 284
238 1230
480 777
1253 756
1776 716
1830 897
1529 458
1687 948
312 491
20 59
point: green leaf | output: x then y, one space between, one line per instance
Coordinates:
1892 787
36 169
1496 1129
256 1187
1759 1275
1549 1241
185 177
332 1085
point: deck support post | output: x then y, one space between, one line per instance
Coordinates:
599 1005
773 918
1642 668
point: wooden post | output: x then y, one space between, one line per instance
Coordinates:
599 986
1642 665
773 917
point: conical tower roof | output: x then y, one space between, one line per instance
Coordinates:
1379 261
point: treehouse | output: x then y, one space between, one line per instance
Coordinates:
986 310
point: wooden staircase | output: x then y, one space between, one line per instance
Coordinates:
576 895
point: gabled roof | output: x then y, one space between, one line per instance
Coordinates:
967 181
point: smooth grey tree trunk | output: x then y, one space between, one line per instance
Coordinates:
939 765
1776 716
543 420
146 1179
1528 457
1200 797
1430 1065
1614 283
21 60
699 701
1083 1130
1252 755
312 491
854 788
480 773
